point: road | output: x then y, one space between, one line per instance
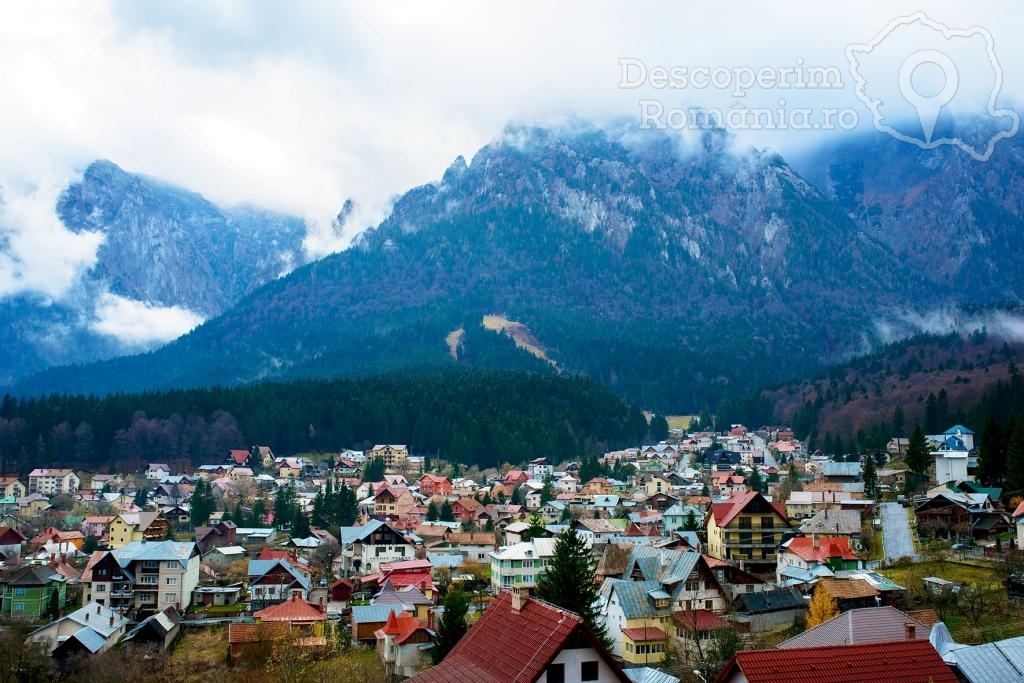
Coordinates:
898 540
760 445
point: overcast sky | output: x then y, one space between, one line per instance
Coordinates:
299 105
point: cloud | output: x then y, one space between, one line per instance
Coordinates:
139 325
37 253
1005 325
298 106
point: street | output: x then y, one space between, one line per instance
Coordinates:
898 540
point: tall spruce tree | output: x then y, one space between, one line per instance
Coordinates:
992 453
569 581
452 625
870 477
917 451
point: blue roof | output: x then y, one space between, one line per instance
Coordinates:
958 428
92 641
158 550
371 614
351 534
261 567
955 443
634 597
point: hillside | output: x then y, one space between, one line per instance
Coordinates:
474 417
867 392
670 275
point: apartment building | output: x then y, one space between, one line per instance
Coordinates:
143 575
51 482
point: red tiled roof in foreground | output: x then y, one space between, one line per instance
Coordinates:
506 646
294 609
821 548
905 661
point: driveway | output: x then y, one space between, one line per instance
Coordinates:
898 540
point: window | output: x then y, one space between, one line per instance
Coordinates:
19 607
170 564
768 538
19 591
527 578
101 588
170 598
171 581
707 605
767 523
746 522
556 673
588 671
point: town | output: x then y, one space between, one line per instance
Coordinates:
713 555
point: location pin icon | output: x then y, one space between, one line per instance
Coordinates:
928 107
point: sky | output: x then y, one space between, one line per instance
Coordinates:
298 106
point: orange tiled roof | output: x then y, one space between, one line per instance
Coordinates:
294 609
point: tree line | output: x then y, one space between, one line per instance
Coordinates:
472 417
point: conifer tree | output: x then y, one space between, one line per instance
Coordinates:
870 477
917 451
452 625
569 581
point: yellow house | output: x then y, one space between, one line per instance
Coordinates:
393 455
638 616
656 484
136 526
746 529
11 487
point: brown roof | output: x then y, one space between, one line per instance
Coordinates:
255 633
294 609
473 538
928 617
848 589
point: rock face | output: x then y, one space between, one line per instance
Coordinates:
162 246
672 275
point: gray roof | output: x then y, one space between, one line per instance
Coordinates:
180 552
992 662
826 521
771 601
858 626
372 614
647 674
258 568
841 469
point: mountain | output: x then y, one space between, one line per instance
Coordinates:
162 247
671 274
955 220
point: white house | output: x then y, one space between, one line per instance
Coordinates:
364 548
93 629
951 459
521 564
51 482
157 472
540 468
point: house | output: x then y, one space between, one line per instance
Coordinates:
276 580
296 621
656 483
535 639
846 523
12 487
238 457
51 482
521 564
515 478
393 455
416 573
223 535
958 431
748 529
841 471
475 546
142 575
96 525
217 595
52 535
28 592
951 460
850 593
408 598
963 515
905 661
158 631
11 542
434 485
340 591
366 547
131 527
540 469
1018 523
679 515
393 502
93 629
400 643
994 662
157 472
805 559
637 615
770 610
860 626
32 505
599 530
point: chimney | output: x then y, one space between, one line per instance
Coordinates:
111 619
520 594
98 608
87 616
910 630
323 604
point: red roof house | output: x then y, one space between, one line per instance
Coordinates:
294 611
435 485
905 661
520 639
238 457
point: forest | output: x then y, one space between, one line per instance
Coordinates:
475 417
